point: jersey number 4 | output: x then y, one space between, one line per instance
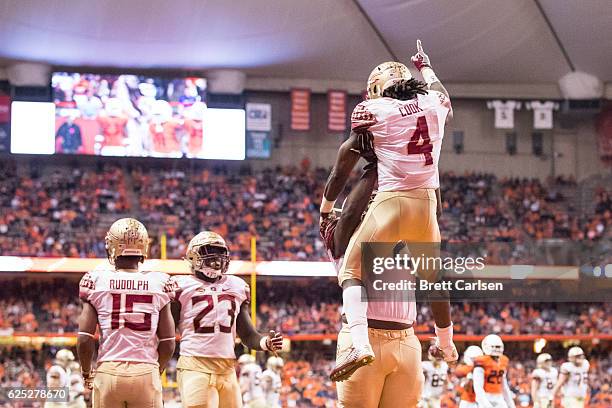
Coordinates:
415 146
118 312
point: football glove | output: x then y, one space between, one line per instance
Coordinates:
420 59
272 342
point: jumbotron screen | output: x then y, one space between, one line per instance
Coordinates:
132 115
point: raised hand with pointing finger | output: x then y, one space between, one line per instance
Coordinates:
420 59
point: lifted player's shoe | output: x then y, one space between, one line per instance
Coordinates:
354 360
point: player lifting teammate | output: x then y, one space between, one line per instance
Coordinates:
212 308
137 333
405 184
490 382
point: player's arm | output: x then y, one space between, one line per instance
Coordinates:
478 378
507 393
439 203
251 337
348 156
353 209
535 384
86 342
560 382
167 337
422 63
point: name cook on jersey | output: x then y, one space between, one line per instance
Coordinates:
459 284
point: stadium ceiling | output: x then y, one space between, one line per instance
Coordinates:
492 41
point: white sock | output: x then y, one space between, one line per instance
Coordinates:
356 310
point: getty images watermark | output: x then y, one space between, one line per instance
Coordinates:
425 271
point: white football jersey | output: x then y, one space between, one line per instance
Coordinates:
77 387
435 379
128 306
272 392
577 380
407 138
57 376
208 314
548 379
250 382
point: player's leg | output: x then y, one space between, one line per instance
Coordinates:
404 385
196 389
363 388
229 391
104 393
141 391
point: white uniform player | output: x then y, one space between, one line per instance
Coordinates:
435 371
543 378
574 379
58 375
271 381
250 385
126 305
213 308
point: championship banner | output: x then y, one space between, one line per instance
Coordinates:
504 113
5 108
336 114
542 113
259 117
300 109
258 145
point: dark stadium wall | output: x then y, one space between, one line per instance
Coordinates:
484 146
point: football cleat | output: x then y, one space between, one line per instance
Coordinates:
355 359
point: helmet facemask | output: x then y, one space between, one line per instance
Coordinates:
212 261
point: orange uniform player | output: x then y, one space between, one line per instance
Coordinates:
489 375
195 132
464 371
113 130
163 136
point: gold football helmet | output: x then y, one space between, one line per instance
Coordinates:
208 253
385 75
126 237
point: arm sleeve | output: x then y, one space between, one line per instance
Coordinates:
478 378
362 118
507 393
86 286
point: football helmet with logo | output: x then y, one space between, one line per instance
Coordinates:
208 254
470 354
544 360
126 237
385 75
492 345
575 355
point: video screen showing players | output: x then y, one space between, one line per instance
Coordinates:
129 115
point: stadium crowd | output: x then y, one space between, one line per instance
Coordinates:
59 211
309 307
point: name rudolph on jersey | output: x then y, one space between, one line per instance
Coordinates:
116 284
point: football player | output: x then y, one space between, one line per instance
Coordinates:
58 375
250 381
543 380
435 371
464 371
406 118
77 387
132 309
574 379
212 308
271 382
489 375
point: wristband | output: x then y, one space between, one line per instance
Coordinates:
327 206
429 76
263 343
86 334
445 335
